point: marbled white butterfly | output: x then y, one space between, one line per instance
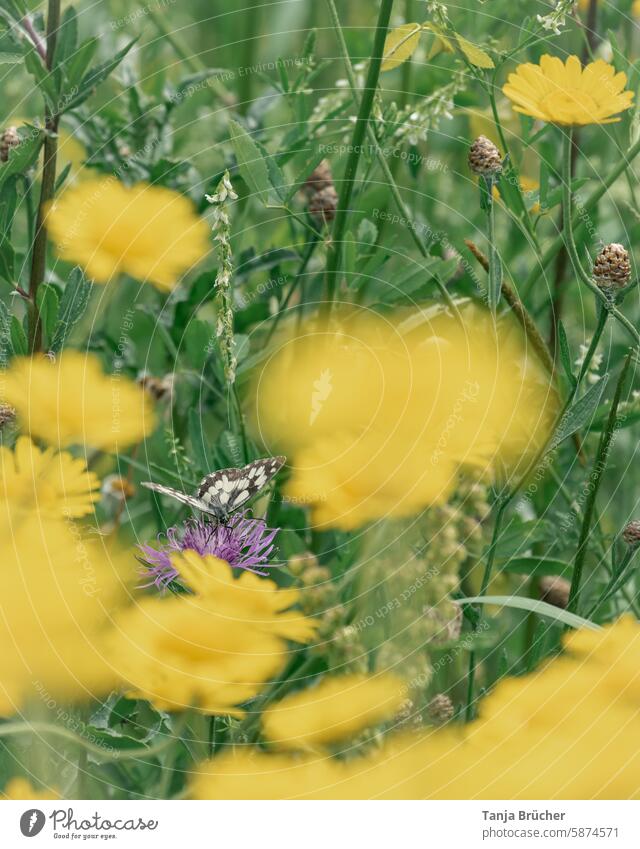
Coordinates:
222 493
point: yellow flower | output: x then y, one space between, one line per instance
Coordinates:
561 733
337 708
56 485
255 775
568 94
72 401
20 789
379 414
635 8
58 593
153 234
213 649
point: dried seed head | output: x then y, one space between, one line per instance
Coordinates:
631 534
323 205
320 178
7 415
440 709
157 387
8 140
611 269
484 158
555 590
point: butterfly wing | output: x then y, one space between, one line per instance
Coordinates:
227 490
193 501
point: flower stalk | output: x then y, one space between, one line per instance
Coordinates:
47 190
351 169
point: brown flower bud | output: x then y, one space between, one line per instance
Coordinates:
8 140
484 158
157 387
7 415
440 709
323 206
611 269
555 590
631 534
320 178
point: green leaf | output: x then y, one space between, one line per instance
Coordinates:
76 65
198 339
48 305
565 353
400 45
6 345
533 606
580 414
475 56
24 155
253 169
73 303
67 38
94 77
532 565
18 338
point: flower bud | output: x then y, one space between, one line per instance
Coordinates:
320 178
631 534
611 269
323 206
8 140
440 709
555 590
484 158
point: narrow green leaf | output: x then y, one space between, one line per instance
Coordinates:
19 341
253 169
533 606
48 305
565 353
532 565
73 303
581 413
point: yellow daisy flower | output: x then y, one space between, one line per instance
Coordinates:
59 590
71 401
337 708
568 93
152 234
20 789
56 485
212 649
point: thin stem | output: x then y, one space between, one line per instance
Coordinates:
351 169
595 478
578 221
47 189
311 247
603 314
486 579
495 269
382 161
615 583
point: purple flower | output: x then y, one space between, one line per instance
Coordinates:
245 543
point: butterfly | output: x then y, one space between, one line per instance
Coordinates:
222 493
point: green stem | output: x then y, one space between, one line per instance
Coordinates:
382 161
577 222
495 270
351 169
47 189
10 729
486 579
306 259
615 583
595 478
251 20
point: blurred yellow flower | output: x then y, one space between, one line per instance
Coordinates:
380 413
568 94
55 485
152 234
59 590
20 789
538 737
339 707
71 401
255 775
213 649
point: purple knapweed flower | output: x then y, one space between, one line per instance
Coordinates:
244 543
